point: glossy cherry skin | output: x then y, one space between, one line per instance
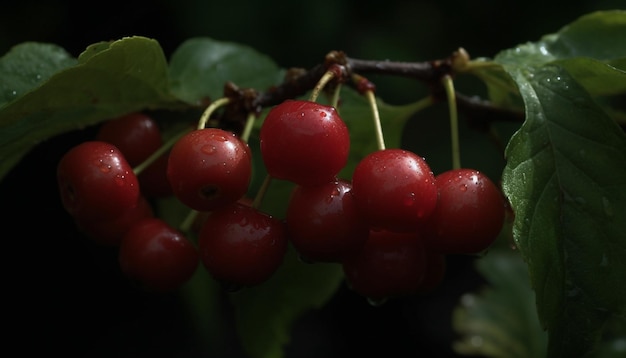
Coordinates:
241 246
110 232
96 182
157 256
138 136
209 168
304 142
395 189
391 264
324 223
469 214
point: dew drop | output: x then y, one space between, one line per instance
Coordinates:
409 200
376 302
463 187
104 168
208 149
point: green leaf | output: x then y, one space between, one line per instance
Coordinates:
265 314
566 175
201 67
110 80
566 179
28 64
500 320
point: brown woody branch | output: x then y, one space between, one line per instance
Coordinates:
479 113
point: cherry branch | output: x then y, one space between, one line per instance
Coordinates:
479 113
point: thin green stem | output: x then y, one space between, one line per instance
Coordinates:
245 135
159 152
258 198
220 102
448 85
380 138
334 100
326 77
185 226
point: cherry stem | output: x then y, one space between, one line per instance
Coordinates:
185 226
245 135
258 198
220 102
448 85
334 101
159 152
371 99
326 77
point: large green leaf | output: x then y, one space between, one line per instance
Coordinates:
200 68
566 179
500 320
109 80
27 65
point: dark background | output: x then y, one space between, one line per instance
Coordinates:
66 296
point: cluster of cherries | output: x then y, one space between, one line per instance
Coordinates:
390 226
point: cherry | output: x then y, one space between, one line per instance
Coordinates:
395 189
96 182
209 168
390 264
241 246
110 232
304 142
324 223
157 256
469 214
137 136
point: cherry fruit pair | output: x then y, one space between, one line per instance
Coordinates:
105 197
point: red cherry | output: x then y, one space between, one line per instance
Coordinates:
304 142
241 246
96 182
209 168
157 256
394 189
111 231
391 264
136 135
324 223
469 214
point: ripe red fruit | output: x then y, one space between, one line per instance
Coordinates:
391 264
469 215
304 142
324 223
138 136
109 232
157 256
241 246
395 189
209 168
96 182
